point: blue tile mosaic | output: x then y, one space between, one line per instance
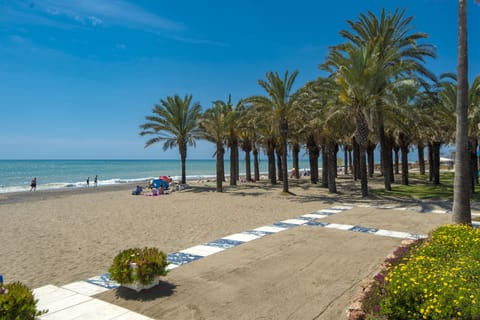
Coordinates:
258 233
181 257
325 213
306 218
317 223
103 281
284 225
224 243
417 236
364 229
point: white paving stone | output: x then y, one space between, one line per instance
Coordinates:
50 293
60 299
329 211
393 234
132 316
202 250
315 216
270 229
339 226
85 288
91 310
172 266
439 211
294 221
243 237
342 207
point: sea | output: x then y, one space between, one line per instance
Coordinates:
16 175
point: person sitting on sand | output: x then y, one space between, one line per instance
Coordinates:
137 191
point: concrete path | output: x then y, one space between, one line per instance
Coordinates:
307 267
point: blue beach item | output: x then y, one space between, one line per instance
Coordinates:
1 279
158 182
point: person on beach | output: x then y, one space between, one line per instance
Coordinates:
33 184
88 182
95 181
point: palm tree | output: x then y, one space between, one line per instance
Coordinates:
282 100
356 71
175 121
233 139
461 194
214 125
398 54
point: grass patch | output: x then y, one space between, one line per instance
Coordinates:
422 189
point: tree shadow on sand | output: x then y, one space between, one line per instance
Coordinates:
164 289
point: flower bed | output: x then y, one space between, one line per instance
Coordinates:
436 279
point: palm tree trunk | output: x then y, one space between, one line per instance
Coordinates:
404 164
271 161
350 159
384 149
356 160
421 158
396 166
436 162
278 153
325 164
363 171
345 157
233 157
248 169
361 135
284 134
371 160
256 165
430 161
390 143
295 152
461 192
313 154
220 167
473 162
331 158
183 158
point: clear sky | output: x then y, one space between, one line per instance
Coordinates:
78 77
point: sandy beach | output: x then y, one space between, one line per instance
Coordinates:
62 236
58 237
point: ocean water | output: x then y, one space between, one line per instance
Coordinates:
16 175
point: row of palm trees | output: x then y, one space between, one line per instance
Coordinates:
376 91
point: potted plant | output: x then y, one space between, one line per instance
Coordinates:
139 269
17 302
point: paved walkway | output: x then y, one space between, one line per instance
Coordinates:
75 300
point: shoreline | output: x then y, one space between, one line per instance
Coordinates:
21 196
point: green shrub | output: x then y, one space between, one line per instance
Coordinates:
438 280
17 302
150 262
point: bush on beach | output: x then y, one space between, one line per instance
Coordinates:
150 263
438 278
17 302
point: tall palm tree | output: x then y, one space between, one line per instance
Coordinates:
233 139
461 192
174 121
356 71
399 53
214 124
281 98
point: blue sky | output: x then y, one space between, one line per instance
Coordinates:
78 77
